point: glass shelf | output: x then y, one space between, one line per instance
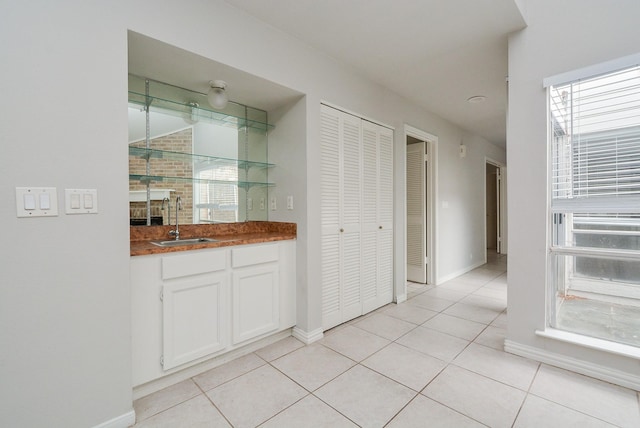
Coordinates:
144 153
144 179
214 188
194 106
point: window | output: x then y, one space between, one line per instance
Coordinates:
217 194
595 206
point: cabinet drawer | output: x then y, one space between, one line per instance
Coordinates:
193 263
253 255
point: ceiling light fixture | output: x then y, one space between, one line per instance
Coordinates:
476 99
217 95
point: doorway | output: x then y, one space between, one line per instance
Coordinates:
494 207
421 155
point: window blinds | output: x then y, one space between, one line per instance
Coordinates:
595 126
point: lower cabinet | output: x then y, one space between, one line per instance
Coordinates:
193 318
191 306
256 307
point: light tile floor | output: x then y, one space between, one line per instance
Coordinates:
435 360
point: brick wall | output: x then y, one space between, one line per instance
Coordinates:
180 142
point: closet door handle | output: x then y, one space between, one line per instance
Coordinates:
379 227
341 230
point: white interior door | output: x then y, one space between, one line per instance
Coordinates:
416 213
503 210
341 206
498 207
377 216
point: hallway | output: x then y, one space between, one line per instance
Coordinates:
435 360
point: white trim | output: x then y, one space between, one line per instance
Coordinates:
592 70
307 337
459 273
597 371
600 204
358 115
590 342
603 253
122 421
401 297
208 364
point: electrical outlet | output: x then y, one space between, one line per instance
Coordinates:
289 202
262 204
274 204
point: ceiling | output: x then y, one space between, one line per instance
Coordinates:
163 62
436 53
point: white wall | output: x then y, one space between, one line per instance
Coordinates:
561 36
65 353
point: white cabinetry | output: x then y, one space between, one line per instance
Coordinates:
194 306
356 216
191 306
256 305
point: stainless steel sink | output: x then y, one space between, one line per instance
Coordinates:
178 242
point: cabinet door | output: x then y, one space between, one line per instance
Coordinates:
377 216
194 318
341 207
256 301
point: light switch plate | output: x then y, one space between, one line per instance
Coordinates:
81 201
36 202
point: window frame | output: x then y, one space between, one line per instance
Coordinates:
563 211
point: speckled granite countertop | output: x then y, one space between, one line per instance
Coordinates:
228 234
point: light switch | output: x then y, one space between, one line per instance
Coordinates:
75 201
29 202
81 201
45 201
36 202
88 201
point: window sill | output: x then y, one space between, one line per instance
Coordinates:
590 342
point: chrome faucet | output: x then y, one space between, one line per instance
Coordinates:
168 201
176 232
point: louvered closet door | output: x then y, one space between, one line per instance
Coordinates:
416 213
340 216
385 217
377 216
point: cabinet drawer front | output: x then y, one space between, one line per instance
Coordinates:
193 263
246 256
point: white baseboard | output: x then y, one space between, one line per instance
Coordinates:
122 421
208 364
597 371
307 337
456 274
401 298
